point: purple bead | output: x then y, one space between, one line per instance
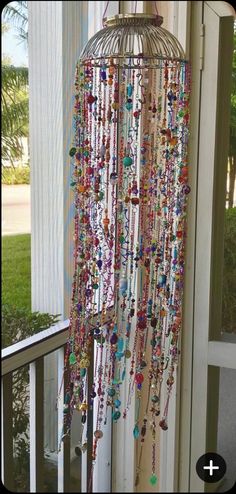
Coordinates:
79 307
113 339
186 189
99 263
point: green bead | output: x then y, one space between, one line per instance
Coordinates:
153 479
111 392
127 161
86 153
129 106
122 239
82 372
181 113
95 286
72 359
72 152
116 415
67 398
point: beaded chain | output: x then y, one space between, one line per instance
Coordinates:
130 182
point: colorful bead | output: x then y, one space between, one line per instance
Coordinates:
130 181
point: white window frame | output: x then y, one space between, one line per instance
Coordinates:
211 74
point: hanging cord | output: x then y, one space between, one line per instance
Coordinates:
156 9
135 10
105 11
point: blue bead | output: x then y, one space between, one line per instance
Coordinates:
129 90
136 432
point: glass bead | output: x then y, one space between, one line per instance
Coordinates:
72 152
116 415
129 105
136 432
163 425
72 358
98 434
117 403
155 399
82 372
111 392
153 479
139 378
113 339
127 161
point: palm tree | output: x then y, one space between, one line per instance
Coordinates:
15 111
15 103
17 14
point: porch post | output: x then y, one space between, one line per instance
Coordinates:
57 32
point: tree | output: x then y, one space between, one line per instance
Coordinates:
17 14
15 101
15 111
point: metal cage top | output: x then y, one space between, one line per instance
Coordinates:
133 39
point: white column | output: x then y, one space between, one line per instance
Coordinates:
57 33
104 463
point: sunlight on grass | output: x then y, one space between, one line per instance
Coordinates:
16 271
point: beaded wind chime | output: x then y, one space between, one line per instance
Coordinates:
130 175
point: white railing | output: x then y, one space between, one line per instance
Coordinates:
32 351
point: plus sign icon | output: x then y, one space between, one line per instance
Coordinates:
211 467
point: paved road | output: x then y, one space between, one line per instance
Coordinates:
15 209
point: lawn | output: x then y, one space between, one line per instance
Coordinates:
16 271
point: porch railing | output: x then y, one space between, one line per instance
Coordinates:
32 351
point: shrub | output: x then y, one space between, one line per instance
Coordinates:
18 324
16 176
229 273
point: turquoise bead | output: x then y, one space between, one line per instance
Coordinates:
127 161
129 106
82 372
117 403
111 392
116 415
129 90
136 432
120 344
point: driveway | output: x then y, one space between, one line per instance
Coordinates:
15 209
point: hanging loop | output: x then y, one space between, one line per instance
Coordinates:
104 13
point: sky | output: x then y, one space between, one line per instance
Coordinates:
14 48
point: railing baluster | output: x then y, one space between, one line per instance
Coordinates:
7 433
64 453
36 425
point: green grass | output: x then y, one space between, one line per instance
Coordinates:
16 271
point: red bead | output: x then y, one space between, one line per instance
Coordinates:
91 99
139 378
